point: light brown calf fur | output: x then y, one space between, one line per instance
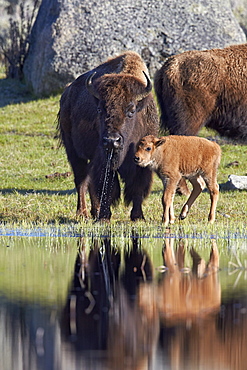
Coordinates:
174 157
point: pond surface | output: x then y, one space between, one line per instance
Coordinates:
122 303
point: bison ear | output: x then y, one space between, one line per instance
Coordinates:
159 142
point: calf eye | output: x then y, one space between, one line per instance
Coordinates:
148 149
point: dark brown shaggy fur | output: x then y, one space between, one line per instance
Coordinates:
205 88
103 114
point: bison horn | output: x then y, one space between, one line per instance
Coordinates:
89 85
147 90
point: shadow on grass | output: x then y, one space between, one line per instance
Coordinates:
14 92
36 223
32 191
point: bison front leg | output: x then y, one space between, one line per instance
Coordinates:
137 187
136 212
95 204
104 195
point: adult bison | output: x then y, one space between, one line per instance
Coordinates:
103 114
198 88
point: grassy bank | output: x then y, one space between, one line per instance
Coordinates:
31 195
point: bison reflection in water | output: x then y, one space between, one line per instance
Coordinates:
122 311
103 114
102 313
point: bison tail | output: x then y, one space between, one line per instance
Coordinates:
58 133
158 87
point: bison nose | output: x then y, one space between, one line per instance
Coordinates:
112 142
136 159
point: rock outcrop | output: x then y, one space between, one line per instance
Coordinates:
235 183
71 37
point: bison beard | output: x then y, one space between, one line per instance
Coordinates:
103 114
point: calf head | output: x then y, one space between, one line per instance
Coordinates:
119 98
146 148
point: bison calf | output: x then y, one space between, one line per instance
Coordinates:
175 157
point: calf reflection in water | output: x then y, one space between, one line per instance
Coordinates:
101 318
183 297
187 296
198 330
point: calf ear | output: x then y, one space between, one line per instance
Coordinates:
159 142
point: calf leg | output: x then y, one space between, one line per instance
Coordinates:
170 186
198 185
213 188
182 188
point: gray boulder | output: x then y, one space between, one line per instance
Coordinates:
239 8
70 37
235 183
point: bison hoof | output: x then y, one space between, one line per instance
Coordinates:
137 217
182 217
104 215
102 220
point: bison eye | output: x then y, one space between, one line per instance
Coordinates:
148 149
130 111
99 110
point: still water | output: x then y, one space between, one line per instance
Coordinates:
122 303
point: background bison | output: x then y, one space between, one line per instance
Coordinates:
103 114
198 88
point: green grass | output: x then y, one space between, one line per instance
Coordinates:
29 152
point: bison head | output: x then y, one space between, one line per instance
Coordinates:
119 100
